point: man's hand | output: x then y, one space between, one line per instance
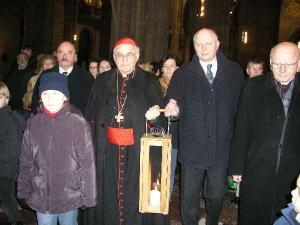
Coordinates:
237 178
172 108
152 112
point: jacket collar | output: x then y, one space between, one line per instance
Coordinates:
5 109
290 214
270 81
66 108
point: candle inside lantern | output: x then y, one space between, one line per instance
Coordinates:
155 196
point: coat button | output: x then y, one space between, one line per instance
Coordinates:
102 125
208 136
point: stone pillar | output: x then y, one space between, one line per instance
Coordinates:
289 19
176 27
130 17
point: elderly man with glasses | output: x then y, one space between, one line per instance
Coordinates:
265 152
116 110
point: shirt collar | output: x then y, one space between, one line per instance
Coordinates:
61 70
214 64
204 64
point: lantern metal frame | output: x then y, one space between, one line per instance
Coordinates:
165 142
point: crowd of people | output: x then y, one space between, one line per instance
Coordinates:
77 159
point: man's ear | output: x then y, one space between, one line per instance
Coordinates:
218 44
6 101
75 58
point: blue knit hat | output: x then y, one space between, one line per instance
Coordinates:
54 81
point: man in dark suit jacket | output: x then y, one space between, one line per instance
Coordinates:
79 80
204 93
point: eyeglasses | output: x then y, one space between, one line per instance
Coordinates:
285 65
129 56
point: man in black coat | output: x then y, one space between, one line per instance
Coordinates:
265 155
205 93
18 80
79 80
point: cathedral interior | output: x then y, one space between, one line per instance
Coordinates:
246 28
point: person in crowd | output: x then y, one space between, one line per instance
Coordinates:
170 64
47 62
18 80
11 132
104 65
32 61
204 94
291 214
117 104
54 53
156 68
27 50
93 68
79 80
255 67
265 150
56 165
146 66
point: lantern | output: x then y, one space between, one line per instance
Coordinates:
155 173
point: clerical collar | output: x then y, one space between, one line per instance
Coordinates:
214 67
68 71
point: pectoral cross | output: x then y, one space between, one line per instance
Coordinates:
119 117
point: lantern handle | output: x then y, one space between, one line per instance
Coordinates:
169 122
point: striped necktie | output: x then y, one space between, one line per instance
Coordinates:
209 74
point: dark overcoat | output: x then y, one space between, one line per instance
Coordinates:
207 112
142 93
79 83
268 174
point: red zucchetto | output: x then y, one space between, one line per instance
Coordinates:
125 41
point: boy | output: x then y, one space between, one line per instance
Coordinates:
291 214
12 127
57 165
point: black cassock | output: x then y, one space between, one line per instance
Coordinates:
118 166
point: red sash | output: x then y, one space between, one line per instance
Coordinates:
120 136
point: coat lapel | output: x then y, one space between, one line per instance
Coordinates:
223 69
197 71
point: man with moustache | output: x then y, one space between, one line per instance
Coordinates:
204 95
116 110
79 80
265 152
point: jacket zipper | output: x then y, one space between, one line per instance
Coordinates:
48 170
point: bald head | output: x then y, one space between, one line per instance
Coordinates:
284 61
285 47
66 55
206 44
206 32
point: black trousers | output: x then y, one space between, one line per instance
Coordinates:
8 199
192 184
